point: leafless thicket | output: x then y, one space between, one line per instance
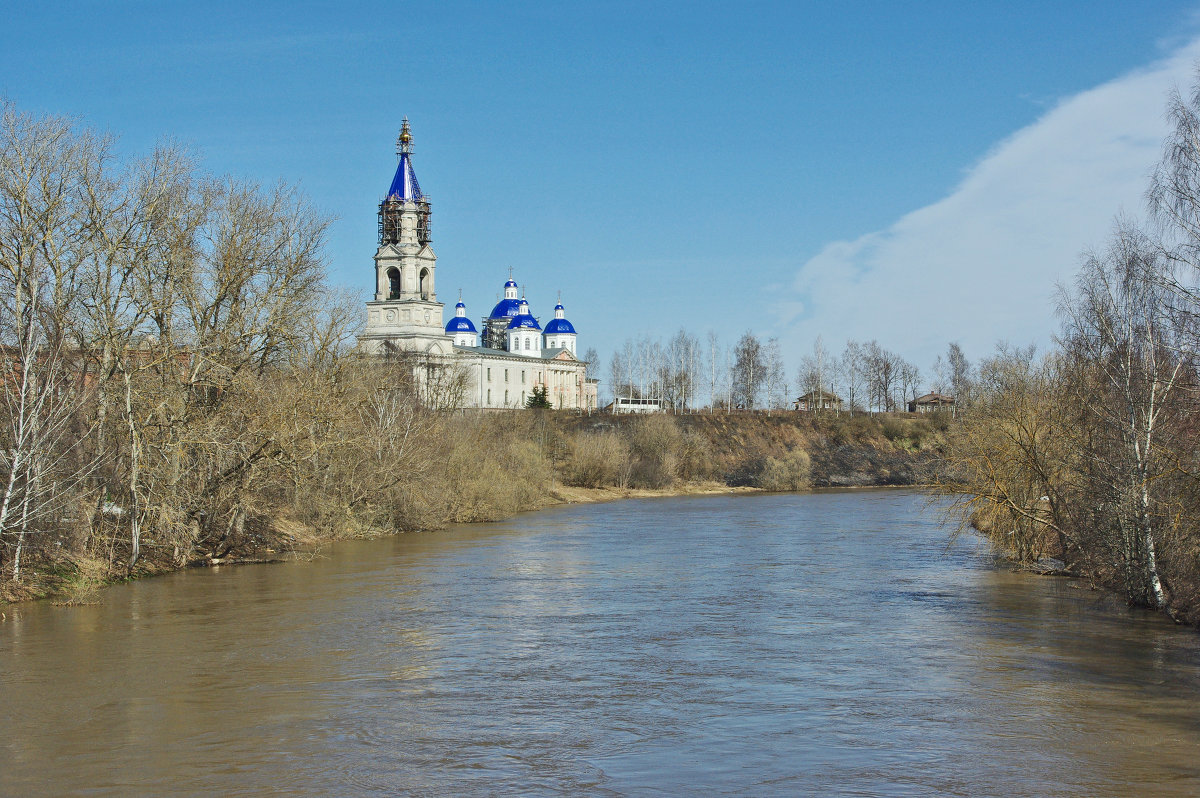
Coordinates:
176 372
1088 454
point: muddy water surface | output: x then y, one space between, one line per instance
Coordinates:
751 645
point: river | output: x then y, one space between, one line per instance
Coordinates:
791 644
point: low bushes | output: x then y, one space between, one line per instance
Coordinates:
596 460
791 471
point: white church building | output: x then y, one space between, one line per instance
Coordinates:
503 365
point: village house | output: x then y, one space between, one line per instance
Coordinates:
931 403
817 400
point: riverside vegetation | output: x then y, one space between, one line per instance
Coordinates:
1087 458
179 386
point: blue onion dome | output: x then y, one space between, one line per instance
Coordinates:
460 322
523 319
559 326
509 306
559 323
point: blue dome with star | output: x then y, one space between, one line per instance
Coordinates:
509 306
524 320
559 323
460 322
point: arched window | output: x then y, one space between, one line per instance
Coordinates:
527 340
393 275
425 284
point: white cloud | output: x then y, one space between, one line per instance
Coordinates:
981 265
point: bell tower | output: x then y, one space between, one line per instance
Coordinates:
405 311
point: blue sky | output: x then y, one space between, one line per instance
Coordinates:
782 167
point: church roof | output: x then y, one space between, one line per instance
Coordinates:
404 185
543 355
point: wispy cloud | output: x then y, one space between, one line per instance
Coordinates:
981 265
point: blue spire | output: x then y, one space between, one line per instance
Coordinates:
404 185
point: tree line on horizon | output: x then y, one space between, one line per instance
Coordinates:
752 374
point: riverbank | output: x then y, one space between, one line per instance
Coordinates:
476 468
565 494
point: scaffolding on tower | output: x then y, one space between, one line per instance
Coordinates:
405 195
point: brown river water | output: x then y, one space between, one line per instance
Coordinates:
821 644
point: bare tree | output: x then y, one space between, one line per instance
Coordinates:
941 376
683 362
591 361
959 372
1120 320
1015 458
774 374
852 367
618 375
749 370
816 370
883 375
715 369
910 380
45 233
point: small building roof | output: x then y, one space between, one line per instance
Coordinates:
934 399
823 395
487 351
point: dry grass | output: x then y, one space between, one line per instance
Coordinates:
86 575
